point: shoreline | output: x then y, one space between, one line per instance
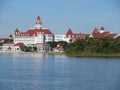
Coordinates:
110 55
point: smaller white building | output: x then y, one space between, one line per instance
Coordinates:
11 47
42 47
59 37
58 48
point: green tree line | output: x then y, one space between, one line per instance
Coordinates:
94 45
28 49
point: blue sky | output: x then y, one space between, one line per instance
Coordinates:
82 16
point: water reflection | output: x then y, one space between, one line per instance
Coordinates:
58 72
40 69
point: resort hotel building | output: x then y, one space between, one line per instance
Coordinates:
41 35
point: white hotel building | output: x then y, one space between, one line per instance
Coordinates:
40 35
35 35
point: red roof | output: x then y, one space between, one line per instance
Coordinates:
1 39
76 35
69 32
96 33
41 30
112 35
38 21
19 44
9 43
33 32
16 30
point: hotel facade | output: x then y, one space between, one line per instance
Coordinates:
40 35
35 35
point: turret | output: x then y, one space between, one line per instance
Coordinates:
102 30
38 23
16 31
69 33
10 36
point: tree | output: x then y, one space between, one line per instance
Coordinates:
94 45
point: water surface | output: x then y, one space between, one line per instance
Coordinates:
58 72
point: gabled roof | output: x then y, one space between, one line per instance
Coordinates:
76 35
95 31
9 43
34 32
112 35
41 30
19 44
16 30
98 34
69 32
85 35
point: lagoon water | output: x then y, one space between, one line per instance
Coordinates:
58 72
